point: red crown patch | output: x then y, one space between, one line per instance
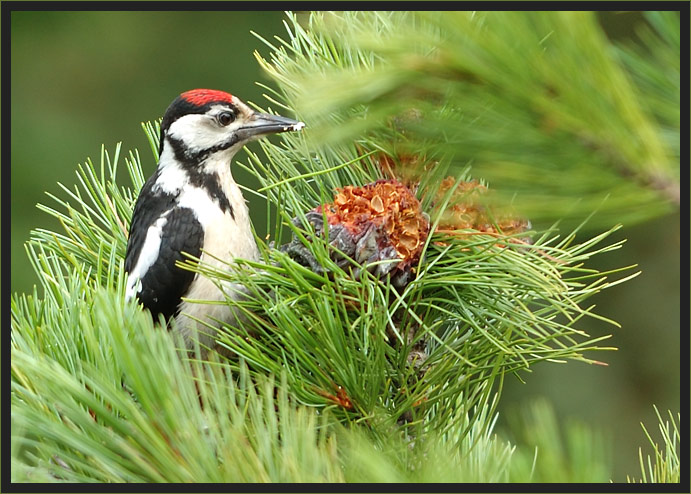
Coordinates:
200 97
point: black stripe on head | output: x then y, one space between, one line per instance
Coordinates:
190 158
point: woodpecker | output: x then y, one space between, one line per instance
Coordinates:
191 204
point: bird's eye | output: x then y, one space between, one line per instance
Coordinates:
226 118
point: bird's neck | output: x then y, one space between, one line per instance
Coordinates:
210 190
212 175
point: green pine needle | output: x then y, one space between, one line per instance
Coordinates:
664 465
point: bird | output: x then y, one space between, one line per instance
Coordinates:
192 206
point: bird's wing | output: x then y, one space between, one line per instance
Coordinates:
160 233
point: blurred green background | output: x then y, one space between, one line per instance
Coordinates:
82 79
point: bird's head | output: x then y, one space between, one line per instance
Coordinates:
202 122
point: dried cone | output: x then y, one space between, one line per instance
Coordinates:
465 211
388 207
383 221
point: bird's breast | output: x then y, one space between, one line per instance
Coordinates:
227 233
227 236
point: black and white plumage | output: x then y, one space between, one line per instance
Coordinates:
191 204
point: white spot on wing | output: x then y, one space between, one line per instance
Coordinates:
147 256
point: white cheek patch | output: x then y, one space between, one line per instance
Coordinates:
200 131
147 257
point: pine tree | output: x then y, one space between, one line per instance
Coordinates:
350 369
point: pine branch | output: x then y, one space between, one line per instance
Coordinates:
479 308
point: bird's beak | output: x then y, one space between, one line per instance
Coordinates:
261 124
